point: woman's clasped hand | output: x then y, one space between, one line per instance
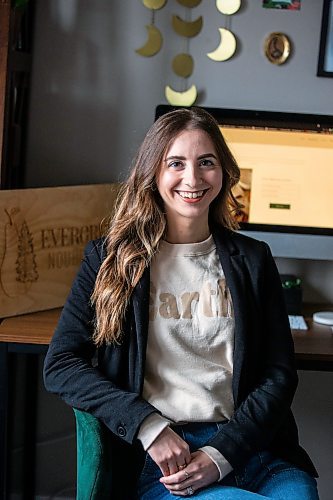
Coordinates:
183 472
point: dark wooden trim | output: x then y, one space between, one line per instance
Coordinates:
327 5
4 37
15 73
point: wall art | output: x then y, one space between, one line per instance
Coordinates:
282 4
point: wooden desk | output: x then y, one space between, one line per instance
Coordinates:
36 329
31 333
314 347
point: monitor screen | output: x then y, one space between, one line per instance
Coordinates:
286 163
286 177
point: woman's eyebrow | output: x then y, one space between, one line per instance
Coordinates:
175 158
205 155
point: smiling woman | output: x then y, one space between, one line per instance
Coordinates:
189 179
195 373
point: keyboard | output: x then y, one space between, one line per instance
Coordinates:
297 322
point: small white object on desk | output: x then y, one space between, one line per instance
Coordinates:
297 322
323 317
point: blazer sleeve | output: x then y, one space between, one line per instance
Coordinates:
69 370
265 404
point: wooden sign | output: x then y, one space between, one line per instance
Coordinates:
43 232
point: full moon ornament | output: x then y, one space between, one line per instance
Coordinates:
228 7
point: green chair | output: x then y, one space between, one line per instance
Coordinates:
94 478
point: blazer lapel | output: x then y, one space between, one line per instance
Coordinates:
139 329
233 266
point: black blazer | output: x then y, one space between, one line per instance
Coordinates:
108 383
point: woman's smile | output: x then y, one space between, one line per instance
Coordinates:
192 196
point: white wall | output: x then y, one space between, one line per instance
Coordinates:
93 98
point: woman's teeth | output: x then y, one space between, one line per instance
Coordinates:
187 194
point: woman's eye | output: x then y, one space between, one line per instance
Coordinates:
206 163
176 164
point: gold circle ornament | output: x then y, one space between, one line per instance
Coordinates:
182 65
277 48
228 7
226 48
154 4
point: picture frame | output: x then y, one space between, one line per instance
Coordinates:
277 48
325 59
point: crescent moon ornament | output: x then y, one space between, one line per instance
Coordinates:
182 65
154 4
189 3
226 47
153 43
186 98
186 28
228 7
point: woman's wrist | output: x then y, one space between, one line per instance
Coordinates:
151 428
221 463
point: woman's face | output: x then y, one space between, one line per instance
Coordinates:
189 178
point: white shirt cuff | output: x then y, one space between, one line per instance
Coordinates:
151 428
221 463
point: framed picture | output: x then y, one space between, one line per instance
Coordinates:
277 48
325 60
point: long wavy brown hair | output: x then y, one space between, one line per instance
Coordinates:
139 220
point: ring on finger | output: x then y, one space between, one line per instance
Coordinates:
186 474
181 467
190 490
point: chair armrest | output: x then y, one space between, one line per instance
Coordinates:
94 475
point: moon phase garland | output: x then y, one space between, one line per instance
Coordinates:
182 63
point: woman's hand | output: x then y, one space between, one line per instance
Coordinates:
169 452
199 473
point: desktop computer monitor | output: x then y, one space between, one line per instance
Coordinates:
286 183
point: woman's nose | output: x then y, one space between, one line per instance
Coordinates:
192 176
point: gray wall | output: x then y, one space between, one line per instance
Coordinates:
93 98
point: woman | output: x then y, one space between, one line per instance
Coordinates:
176 337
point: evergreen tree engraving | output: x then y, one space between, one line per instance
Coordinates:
26 267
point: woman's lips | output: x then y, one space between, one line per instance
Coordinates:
192 196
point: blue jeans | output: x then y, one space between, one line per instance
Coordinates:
264 476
